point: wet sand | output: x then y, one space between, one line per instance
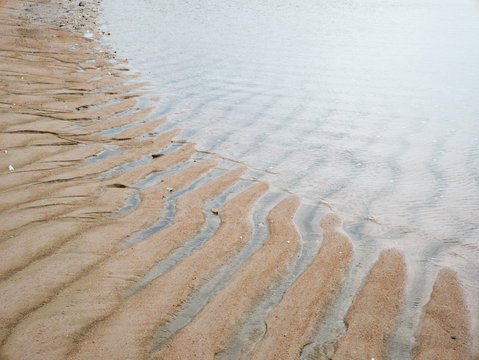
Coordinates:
110 230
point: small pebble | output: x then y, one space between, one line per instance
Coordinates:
81 3
214 211
170 189
11 168
453 337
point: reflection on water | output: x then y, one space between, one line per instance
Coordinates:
370 106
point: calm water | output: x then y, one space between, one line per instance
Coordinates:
371 107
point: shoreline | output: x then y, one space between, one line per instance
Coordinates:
86 216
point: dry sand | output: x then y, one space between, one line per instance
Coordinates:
75 205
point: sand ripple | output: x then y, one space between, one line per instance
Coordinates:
118 238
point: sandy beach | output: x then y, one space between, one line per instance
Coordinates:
119 241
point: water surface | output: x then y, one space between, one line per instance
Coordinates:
370 107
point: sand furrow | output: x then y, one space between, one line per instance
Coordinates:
107 110
443 331
124 88
21 140
146 148
113 122
41 280
373 316
138 130
104 83
22 160
31 68
291 323
148 310
189 214
18 251
22 157
14 179
14 119
21 198
100 203
208 333
156 165
95 296
39 124
77 153
59 103
84 192
87 300
77 82
15 243
42 210
23 195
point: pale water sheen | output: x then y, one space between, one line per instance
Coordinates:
369 106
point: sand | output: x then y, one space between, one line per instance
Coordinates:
87 214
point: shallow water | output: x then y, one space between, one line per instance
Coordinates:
369 107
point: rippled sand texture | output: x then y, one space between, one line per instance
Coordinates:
118 241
